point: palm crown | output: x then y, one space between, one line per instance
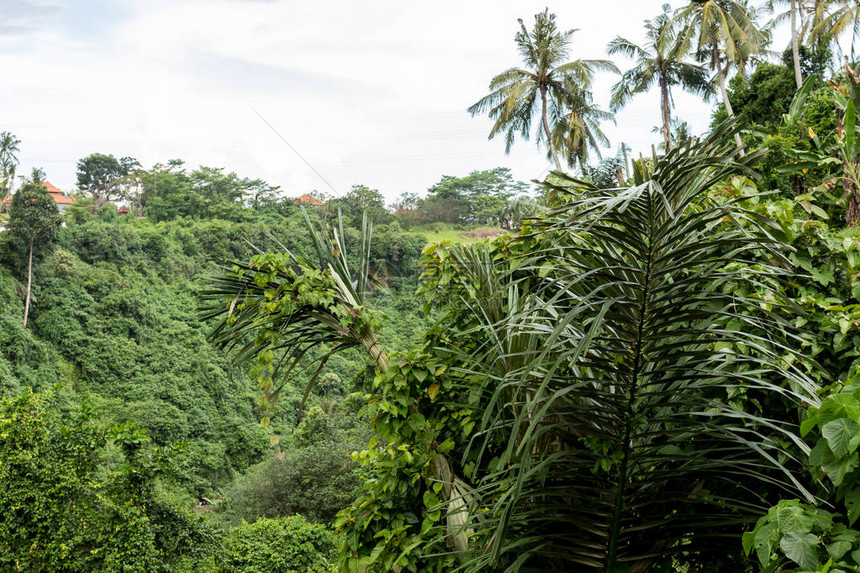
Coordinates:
661 62
548 86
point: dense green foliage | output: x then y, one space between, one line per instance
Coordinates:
115 323
287 545
72 503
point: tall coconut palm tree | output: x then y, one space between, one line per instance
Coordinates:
8 161
660 62
725 33
547 87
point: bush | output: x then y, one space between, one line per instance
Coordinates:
286 545
314 476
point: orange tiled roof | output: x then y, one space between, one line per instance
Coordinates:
58 196
308 200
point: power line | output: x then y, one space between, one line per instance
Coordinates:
295 151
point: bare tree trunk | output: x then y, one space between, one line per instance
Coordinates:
667 117
795 49
29 282
626 161
546 128
721 76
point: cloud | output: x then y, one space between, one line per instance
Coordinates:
373 93
22 17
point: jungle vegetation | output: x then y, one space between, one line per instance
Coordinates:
652 367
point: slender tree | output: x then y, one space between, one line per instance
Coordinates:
659 62
33 220
548 87
723 32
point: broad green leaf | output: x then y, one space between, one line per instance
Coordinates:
839 468
802 548
838 548
794 519
840 435
840 405
416 422
764 539
852 505
808 424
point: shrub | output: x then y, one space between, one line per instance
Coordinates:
286 545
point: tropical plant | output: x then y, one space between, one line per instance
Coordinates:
287 545
277 307
549 87
723 32
607 385
804 535
69 505
846 151
580 133
660 62
682 133
591 398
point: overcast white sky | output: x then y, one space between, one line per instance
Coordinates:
370 92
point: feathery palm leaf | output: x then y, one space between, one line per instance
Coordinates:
833 18
607 353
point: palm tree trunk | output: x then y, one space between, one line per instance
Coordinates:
721 77
795 49
546 128
29 282
626 161
667 118
371 345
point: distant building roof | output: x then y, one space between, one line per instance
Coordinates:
308 200
122 210
58 196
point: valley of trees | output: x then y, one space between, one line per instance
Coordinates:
633 365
